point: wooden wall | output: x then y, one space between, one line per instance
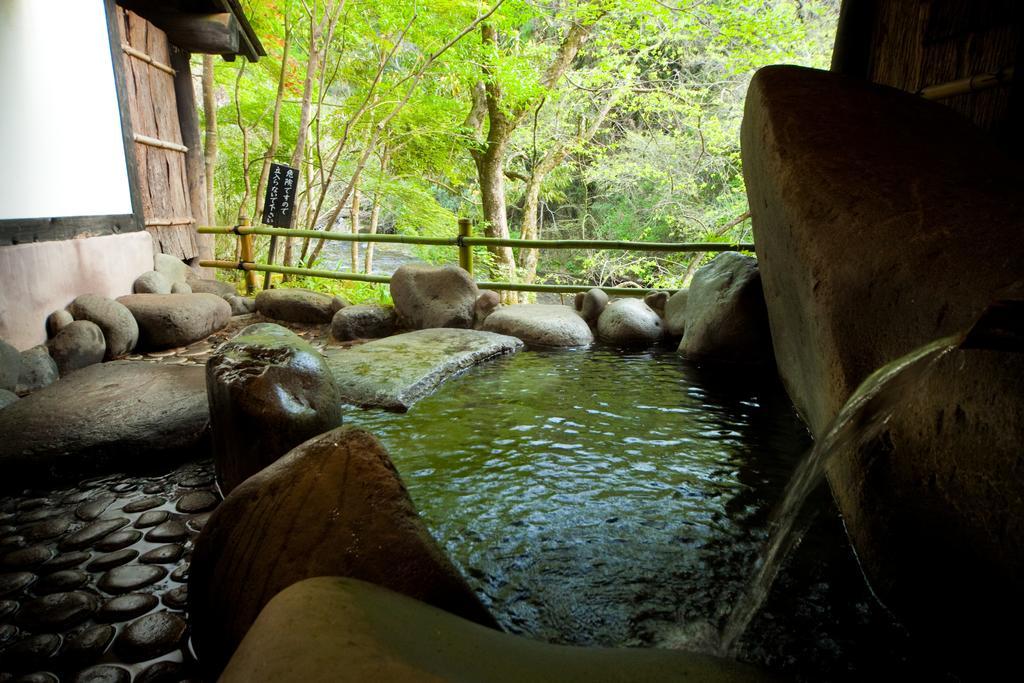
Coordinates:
161 156
911 44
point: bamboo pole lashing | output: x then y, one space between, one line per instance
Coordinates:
964 86
148 59
160 144
247 255
179 220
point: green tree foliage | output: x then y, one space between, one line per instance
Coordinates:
643 125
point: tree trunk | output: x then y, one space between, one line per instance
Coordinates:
275 130
491 173
354 220
210 144
374 219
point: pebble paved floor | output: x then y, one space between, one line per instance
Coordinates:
93 577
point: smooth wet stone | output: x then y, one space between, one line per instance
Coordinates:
120 330
150 636
333 506
298 305
152 282
57 612
395 372
87 644
38 370
269 391
125 607
173 268
164 671
88 535
57 321
64 580
176 598
12 542
180 574
171 320
541 325
8 608
118 540
66 560
7 398
151 518
27 558
119 413
9 633
181 288
591 304
103 673
363 322
345 630
675 312
130 577
38 515
111 560
92 509
197 522
194 481
657 301
630 322
197 501
38 677
10 366
29 653
168 532
48 529
78 345
143 504
221 289
486 303
164 554
726 318
432 296
241 305
12 582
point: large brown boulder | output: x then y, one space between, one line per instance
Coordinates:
339 630
269 391
334 506
883 222
298 305
429 296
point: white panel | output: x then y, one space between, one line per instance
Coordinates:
61 150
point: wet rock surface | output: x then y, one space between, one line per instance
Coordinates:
334 506
171 320
79 345
675 309
37 370
73 616
541 325
10 366
7 398
363 322
590 304
221 289
630 322
113 414
395 372
269 391
430 296
298 305
117 323
152 282
725 317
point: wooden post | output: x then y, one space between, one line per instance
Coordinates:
465 250
247 255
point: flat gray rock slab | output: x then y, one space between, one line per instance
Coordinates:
117 414
395 372
541 325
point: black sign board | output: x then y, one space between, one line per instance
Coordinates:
280 198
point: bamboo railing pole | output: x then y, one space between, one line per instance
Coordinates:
465 251
247 254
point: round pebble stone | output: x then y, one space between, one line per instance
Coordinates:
48 529
38 677
150 636
130 577
153 488
125 607
64 580
103 673
151 518
164 671
76 497
38 515
11 542
196 480
13 582
8 632
91 509
29 557
197 501
118 540
65 561
176 598
197 522
86 645
31 503
124 487
29 654
168 532
8 608
57 612
180 574
111 560
143 504
88 535
164 554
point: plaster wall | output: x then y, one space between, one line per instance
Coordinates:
38 278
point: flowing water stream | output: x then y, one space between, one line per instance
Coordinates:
620 499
